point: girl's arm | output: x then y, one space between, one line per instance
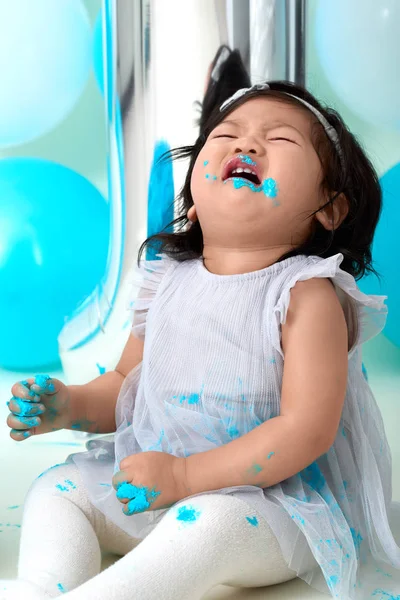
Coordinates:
315 346
92 405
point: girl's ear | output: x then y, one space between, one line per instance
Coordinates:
226 75
192 214
333 215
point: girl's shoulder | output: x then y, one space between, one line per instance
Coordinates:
365 314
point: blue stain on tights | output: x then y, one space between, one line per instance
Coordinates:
69 485
188 514
253 521
140 497
52 467
61 588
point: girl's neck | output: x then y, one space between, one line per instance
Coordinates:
235 261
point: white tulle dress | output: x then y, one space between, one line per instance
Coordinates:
212 371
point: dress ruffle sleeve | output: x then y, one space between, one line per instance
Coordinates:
365 314
145 283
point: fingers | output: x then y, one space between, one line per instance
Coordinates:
22 423
25 408
19 435
120 483
21 389
43 384
119 478
25 405
136 498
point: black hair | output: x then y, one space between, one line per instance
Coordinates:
354 176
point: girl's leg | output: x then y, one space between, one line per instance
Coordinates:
61 537
208 540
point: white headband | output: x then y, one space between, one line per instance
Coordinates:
330 131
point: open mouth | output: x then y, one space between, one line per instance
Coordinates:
247 174
238 168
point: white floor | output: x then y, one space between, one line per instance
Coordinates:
21 462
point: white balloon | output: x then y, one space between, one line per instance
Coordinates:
45 60
357 42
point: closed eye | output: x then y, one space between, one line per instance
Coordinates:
282 138
224 135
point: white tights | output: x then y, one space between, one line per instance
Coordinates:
63 534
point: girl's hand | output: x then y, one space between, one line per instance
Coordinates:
38 405
149 481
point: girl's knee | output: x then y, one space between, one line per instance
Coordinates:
60 481
224 515
57 479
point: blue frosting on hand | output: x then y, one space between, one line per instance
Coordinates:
43 382
140 497
26 408
34 422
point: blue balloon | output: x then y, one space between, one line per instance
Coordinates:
98 60
385 252
45 60
160 203
55 232
357 42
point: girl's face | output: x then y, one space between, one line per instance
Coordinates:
266 208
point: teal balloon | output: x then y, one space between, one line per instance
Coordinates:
98 60
55 230
385 253
357 42
45 60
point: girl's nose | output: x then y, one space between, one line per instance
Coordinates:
249 146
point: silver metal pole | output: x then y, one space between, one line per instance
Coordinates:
158 53
295 41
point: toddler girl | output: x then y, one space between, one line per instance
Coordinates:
248 448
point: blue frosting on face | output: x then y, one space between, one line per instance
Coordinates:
246 159
268 186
